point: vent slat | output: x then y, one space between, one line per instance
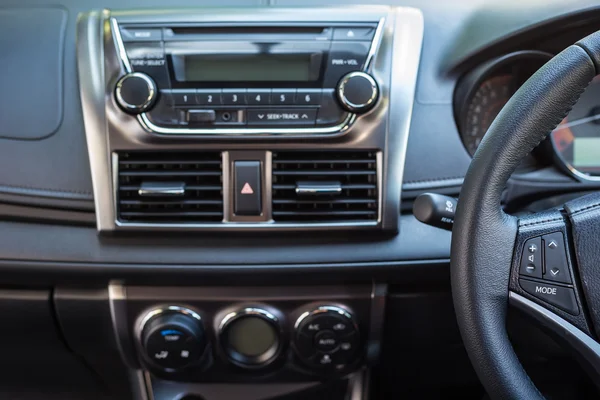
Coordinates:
329 201
200 173
355 172
162 174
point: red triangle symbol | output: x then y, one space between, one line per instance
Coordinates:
247 189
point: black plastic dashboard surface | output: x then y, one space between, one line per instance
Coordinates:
454 31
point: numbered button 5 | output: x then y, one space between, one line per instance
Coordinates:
208 97
282 96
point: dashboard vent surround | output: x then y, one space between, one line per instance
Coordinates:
174 187
325 186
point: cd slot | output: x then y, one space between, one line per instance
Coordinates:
247 33
245 30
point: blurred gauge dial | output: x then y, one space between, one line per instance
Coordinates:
486 103
483 92
576 141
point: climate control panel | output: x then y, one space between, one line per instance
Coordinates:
327 337
237 334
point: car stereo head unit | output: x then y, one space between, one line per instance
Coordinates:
247 78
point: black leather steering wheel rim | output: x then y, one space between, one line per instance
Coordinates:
484 236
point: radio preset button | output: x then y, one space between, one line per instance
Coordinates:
308 97
293 116
208 97
282 96
184 97
233 97
141 34
259 97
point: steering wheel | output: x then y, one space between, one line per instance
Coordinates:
547 265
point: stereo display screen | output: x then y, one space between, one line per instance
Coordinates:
250 68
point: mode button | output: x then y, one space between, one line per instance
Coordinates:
559 296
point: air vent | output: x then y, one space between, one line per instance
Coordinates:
320 187
179 187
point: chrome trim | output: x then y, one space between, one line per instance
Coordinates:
375 43
325 131
357 107
151 189
164 310
321 310
314 189
246 311
151 92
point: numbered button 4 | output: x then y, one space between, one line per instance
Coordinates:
259 97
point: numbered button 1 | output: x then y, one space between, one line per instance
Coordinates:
233 97
259 97
282 96
209 97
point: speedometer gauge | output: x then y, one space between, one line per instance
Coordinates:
483 108
483 92
576 141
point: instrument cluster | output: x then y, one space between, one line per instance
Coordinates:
482 93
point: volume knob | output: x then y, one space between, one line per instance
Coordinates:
357 92
135 92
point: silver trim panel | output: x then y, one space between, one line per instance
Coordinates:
383 129
326 131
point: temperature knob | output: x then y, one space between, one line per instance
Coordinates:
135 93
173 338
357 92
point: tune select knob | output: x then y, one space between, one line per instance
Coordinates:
173 338
357 92
135 92
327 337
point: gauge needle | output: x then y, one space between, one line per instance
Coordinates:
577 122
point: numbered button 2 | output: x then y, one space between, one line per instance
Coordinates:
282 96
209 97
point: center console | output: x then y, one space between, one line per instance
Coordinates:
249 122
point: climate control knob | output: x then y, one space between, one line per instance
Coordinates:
173 337
136 93
357 92
327 337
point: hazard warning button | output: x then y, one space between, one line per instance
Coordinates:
247 196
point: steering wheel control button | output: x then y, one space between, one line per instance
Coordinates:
558 296
247 194
326 337
136 93
557 266
531 260
173 338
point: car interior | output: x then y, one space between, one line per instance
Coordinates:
299 199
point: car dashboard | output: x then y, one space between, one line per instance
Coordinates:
214 201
